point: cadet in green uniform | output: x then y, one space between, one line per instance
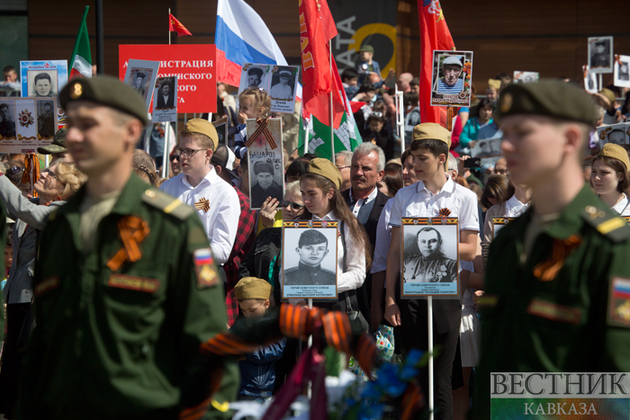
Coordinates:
125 285
554 276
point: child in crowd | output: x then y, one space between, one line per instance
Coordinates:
379 134
258 373
253 103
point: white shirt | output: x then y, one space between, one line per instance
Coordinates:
361 201
416 201
383 238
354 276
622 207
514 208
221 219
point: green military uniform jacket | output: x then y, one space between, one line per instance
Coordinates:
123 344
558 325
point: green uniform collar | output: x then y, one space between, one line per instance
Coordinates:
570 220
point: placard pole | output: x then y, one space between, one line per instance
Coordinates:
310 343
600 83
167 142
430 350
169 26
330 95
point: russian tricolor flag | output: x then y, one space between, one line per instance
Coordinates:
241 36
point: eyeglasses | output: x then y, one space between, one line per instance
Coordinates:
291 205
15 170
49 172
186 152
174 156
377 114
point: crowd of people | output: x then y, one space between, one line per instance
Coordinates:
115 275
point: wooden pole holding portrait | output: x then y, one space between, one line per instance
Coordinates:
430 269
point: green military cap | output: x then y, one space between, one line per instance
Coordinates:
431 131
58 144
107 91
367 48
549 98
252 288
312 237
327 169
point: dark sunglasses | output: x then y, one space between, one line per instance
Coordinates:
16 170
292 206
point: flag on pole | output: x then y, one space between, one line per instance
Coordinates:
317 28
81 61
241 36
175 25
315 133
434 35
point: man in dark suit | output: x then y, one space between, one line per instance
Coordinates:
165 96
366 203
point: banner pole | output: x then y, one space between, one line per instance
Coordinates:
167 141
332 129
169 26
310 343
430 328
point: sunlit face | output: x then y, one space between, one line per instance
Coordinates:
485 113
312 255
533 148
48 185
500 167
365 56
363 172
42 87
94 138
604 179
265 179
198 163
253 308
428 242
248 106
492 94
451 73
289 212
408 173
426 165
315 199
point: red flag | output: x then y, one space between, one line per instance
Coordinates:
317 28
175 25
434 35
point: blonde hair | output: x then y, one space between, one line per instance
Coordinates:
202 140
71 178
261 99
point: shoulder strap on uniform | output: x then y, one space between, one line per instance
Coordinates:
167 204
607 223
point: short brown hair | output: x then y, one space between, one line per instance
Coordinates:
619 168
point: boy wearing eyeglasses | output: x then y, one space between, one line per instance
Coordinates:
200 186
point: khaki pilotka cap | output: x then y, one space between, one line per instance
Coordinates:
107 91
431 131
327 169
549 98
615 151
58 144
205 127
252 288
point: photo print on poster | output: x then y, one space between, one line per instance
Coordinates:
165 100
622 71
614 133
265 168
430 257
525 76
600 54
284 80
141 75
451 79
309 259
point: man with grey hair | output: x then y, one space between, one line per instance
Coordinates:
342 161
366 202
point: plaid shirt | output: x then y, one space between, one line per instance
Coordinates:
245 236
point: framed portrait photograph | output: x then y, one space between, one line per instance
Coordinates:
525 76
282 88
600 54
590 81
141 75
27 123
451 79
614 133
622 71
498 223
430 257
309 259
165 99
222 129
486 148
255 76
265 168
46 119
43 79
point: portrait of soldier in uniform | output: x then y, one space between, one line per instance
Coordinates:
263 184
312 249
7 125
283 89
254 77
429 264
